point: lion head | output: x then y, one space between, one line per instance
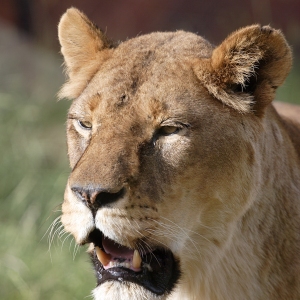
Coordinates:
163 136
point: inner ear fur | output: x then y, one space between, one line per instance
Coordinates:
83 46
245 70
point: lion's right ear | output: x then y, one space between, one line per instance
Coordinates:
82 45
246 69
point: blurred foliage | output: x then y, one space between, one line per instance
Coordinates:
33 174
290 90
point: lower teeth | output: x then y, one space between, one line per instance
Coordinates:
127 265
114 264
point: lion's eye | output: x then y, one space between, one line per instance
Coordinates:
168 130
85 124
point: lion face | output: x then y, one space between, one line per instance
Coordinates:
162 166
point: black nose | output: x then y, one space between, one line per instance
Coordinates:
95 198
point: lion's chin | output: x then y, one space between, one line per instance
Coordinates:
155 276
123 290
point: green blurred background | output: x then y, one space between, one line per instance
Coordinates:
33 165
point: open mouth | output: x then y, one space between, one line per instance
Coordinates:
156 270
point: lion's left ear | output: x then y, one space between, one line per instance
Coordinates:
83 46
245 70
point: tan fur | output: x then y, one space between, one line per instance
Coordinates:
222 193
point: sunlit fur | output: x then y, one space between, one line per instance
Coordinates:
222 192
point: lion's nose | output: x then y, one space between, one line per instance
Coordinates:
95 198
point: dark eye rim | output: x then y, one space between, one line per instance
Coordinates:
83 125
160 131
178 126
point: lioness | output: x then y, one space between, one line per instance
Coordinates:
185 180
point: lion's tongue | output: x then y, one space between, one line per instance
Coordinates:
116 255
116 250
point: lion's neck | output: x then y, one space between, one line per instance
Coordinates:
261 255
255 265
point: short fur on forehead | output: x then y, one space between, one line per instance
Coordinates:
243 72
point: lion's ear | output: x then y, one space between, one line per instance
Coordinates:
82 44
245 70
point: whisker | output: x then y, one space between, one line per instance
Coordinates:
68 235
52 233
171 232
56 233
185 233
55 221
75 251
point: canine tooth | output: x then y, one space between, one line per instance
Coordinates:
103 257
136 260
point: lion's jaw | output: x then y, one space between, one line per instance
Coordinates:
166 142
197 246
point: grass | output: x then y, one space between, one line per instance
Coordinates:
290 90
33 172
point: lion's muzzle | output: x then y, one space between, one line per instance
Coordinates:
156 270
